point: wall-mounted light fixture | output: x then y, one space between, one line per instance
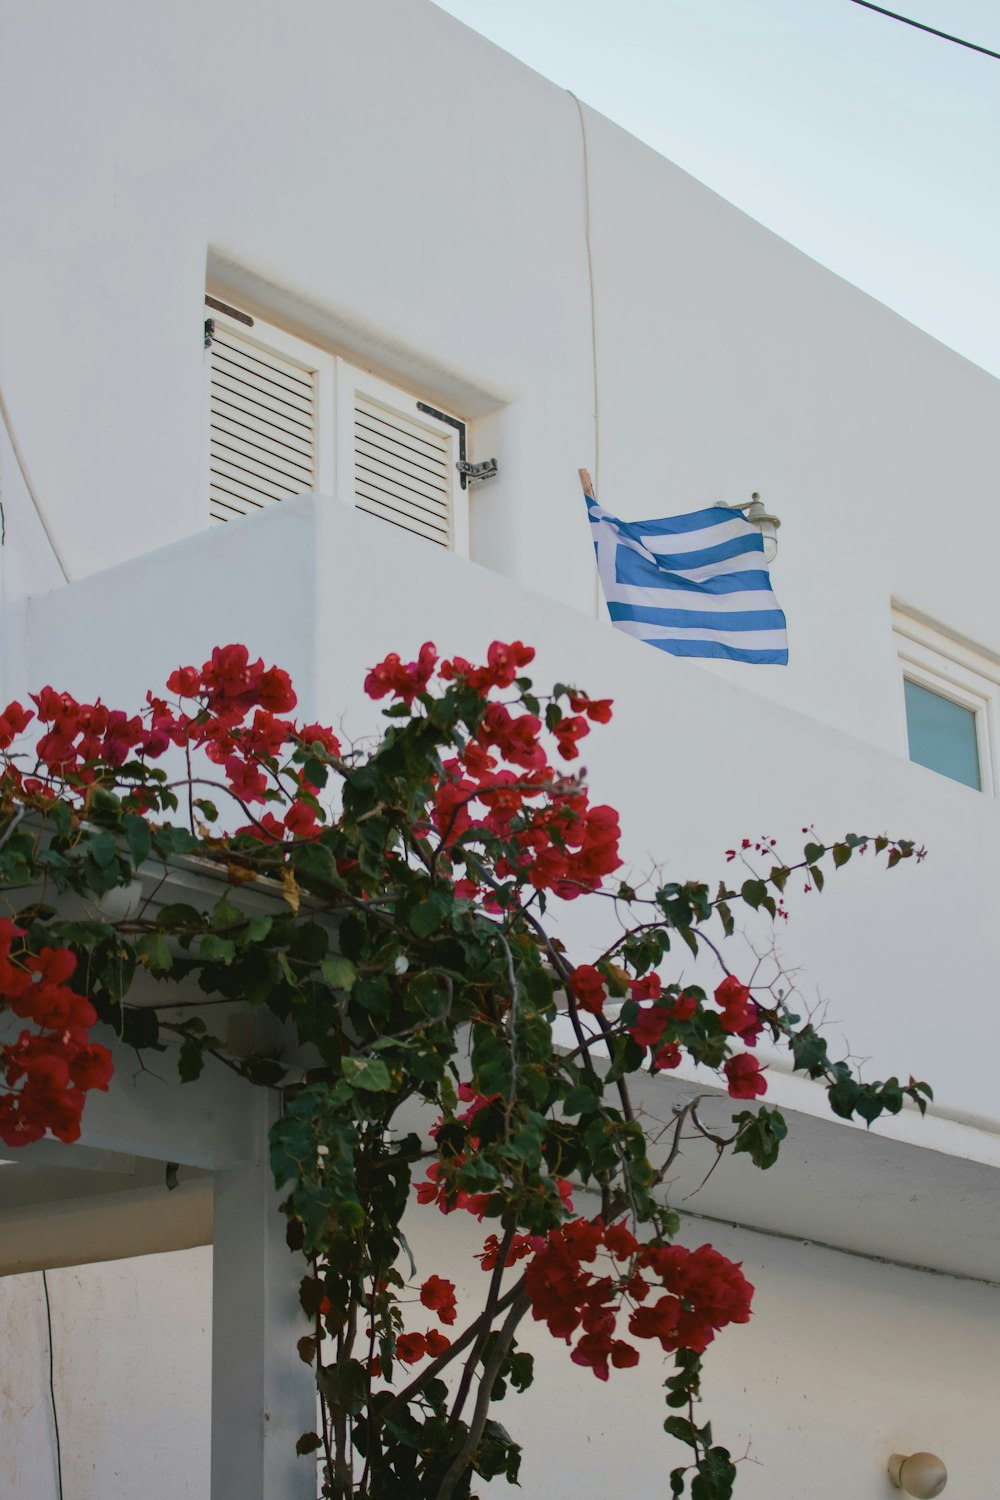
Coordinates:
921 1474
759 516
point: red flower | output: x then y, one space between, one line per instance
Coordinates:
657 1321
436 1342
683 1007
410 1347
516 739
404 682
567 732
301 820
246 779
588 989
598 710
185 682
312 734
439 1295
503 664
92 1067
13 721
649 1025
745 1077
667 1056
647 988
620 1241
520 1246
740 1016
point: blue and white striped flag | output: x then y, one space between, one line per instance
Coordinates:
692 585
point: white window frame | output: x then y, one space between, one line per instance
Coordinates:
352 381
955 670
337 383
309 357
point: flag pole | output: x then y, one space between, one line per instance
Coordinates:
588 484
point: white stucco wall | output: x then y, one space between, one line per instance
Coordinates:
693 762
844 1362
131 1347
383 175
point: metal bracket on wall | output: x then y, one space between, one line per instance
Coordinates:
209 332
467 473
476 473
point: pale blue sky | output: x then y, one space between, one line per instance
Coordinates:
873 147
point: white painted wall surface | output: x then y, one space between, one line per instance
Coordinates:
131 1343
381 177
693 762
844 1362
416 196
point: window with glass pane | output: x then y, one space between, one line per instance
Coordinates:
942 735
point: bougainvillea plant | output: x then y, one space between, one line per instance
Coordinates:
407 958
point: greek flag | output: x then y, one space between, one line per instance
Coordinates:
692 585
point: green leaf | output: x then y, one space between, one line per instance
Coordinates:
267 1072
369 1073
138 1026
101 846
345 1385
179 914
225 914
760 1135
308 1443
754 892
190 1059
216 950
339 973
138 837
580 1101
843 1097
315 862
154 950
427 916
869 1107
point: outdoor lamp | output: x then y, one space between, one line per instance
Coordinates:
920 1474
760 517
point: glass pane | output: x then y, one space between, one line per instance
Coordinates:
942 735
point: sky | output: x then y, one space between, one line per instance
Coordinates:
873 147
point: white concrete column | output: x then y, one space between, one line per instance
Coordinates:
263 1396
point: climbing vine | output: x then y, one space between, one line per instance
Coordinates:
405 952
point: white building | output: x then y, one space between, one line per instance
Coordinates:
400 217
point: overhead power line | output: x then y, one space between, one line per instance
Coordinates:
919 25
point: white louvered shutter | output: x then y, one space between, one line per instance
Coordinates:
398 462
267 390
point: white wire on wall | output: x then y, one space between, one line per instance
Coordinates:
22 465
598 595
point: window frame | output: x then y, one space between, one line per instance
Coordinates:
352 381
338 380
959 672
299 351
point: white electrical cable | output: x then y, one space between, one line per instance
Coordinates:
598 594
22 465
